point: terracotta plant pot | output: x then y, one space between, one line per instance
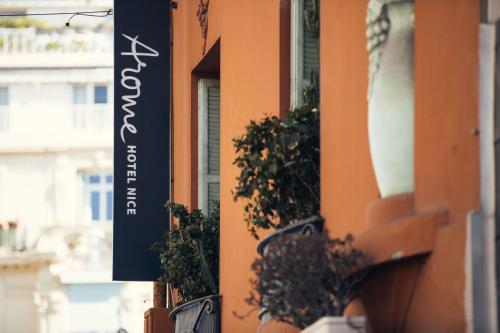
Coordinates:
200 315
338 325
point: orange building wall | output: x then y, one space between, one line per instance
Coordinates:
253 84
446 150
347 178
250 86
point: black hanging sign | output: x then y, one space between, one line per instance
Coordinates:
141 135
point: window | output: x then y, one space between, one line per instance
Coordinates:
79 95
93 307
100 94
4 109
208 143
305 53
91 107
80 106
98 197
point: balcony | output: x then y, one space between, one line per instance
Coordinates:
4 118
56 3
96 117
29 47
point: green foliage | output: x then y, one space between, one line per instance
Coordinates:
303 278
52 46
189 253
24 22
279 169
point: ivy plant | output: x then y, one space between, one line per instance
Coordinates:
189 253
279 177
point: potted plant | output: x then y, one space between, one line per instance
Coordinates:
279 173
189 257
308 281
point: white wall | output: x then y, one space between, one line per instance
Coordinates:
40 108
42 190
42 158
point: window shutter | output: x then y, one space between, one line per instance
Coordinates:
310 47
213 154
213 130
208 143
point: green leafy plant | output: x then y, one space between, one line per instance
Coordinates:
52 46
279 169
303 278
24 22
189 253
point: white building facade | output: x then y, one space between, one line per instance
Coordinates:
56 175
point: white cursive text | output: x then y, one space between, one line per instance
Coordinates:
130 81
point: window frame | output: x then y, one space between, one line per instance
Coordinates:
103 188
84 88
92 115
5 112
98 85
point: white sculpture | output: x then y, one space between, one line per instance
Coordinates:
390 94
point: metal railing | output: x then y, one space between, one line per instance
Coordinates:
25 41
56 3
4 119
92 116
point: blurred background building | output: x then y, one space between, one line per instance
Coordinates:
56 174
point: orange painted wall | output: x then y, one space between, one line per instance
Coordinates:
446 151
253 83
347 178
186 54
447 105
250 85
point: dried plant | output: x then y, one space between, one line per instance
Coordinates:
303 278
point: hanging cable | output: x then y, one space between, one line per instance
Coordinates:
100 14
94 13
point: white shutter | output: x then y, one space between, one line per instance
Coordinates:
208 143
